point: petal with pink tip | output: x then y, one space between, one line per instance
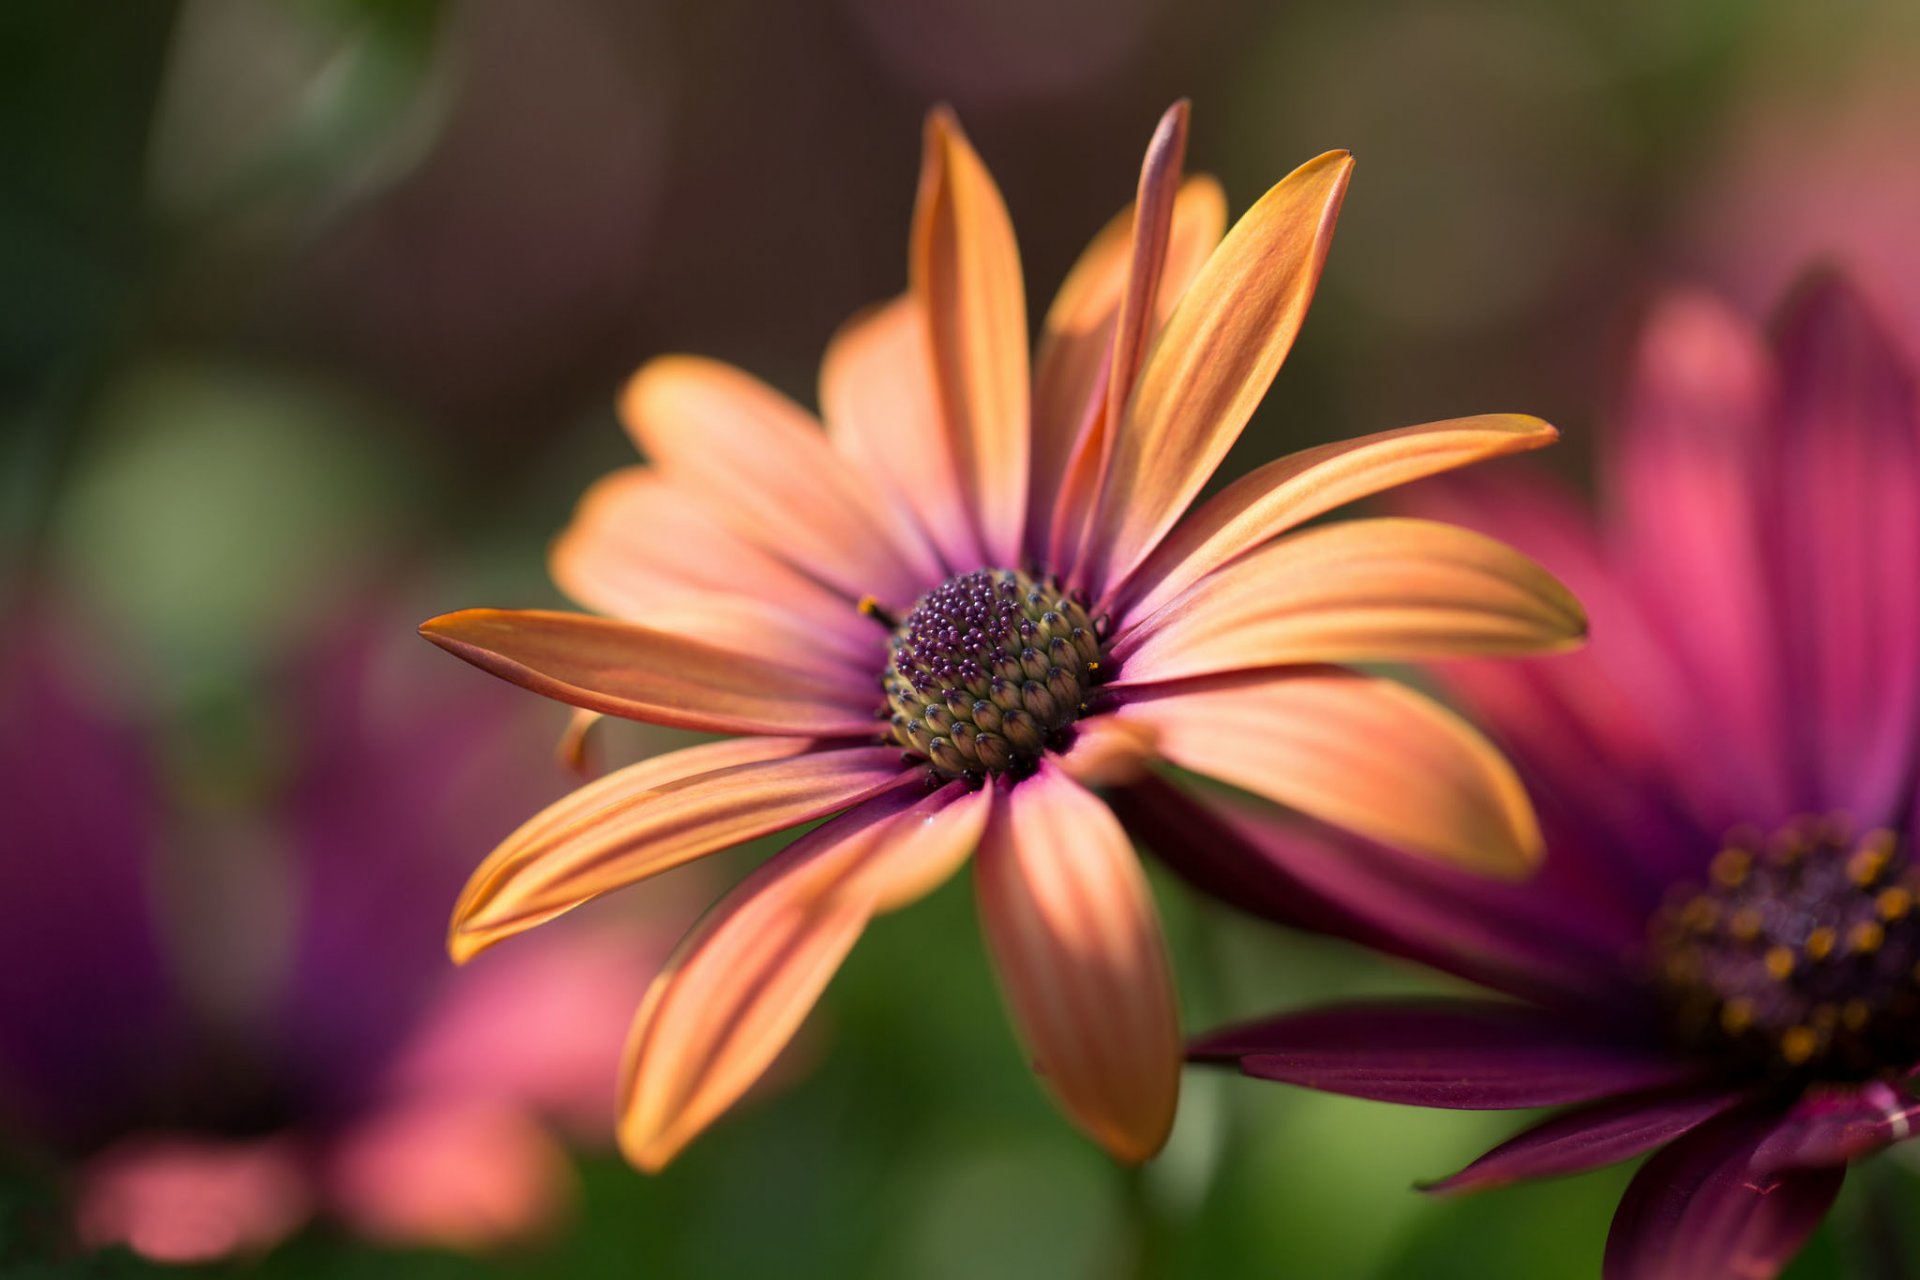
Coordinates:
1383 590
1215 358
1076 340
878 395
1290 491
745 978
653 816
1355 751
765 466
1076 940
965 272
641 674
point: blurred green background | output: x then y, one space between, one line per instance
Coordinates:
313 299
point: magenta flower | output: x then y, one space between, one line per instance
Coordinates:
223 1005
1720 962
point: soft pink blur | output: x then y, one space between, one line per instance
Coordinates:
180 1198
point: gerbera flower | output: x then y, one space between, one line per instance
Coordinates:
972 598
1720 961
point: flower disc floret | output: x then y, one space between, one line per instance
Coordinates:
1802 955
987 669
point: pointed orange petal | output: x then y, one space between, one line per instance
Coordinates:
1385 590
1356 751
878 395
1076 940
1076 341
642 674
653 816
575 748
744 979
965 271
1290 491
1108 751
1215 358
768 471
642 550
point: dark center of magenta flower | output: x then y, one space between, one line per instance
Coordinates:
986 669
1802 957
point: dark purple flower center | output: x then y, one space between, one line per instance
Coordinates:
1802 957
987 669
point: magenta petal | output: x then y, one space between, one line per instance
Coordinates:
1587 1138
1833 1127
1473 1055
1548 940
1846 548
1699 1210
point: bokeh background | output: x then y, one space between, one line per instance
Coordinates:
312 314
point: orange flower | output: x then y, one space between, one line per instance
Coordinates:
972 599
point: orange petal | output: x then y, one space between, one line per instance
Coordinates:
768 471
653 816
878 395
965 270
744 979
575 748
1108 751
1076 940
1215 358
1358 591
1076 341
661 678
641 549
1356 751
1292 490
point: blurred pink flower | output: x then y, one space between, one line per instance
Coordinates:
1719 963
218 1061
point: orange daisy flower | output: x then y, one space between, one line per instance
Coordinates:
971 600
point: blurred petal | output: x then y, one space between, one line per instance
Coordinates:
1355 751
653 816
451 1173
878 396
1076 341
1290 491
1108 751
1471 1055
1076 940
662 678
1686 480
1590 1137
1215 358
189 1199
642 550
965 270
1698 1210
766 468
1358 591
1555 939
1834 1125
1844 528
744 979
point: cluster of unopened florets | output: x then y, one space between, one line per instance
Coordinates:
1802 955
987 669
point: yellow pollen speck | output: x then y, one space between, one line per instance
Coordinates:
1819 944
1730 867
1736 1015
1797 1044
1780 963
1864 865
869 605
1866 936
1093 666
1701 914
1855 1013
1745 924
1894 903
